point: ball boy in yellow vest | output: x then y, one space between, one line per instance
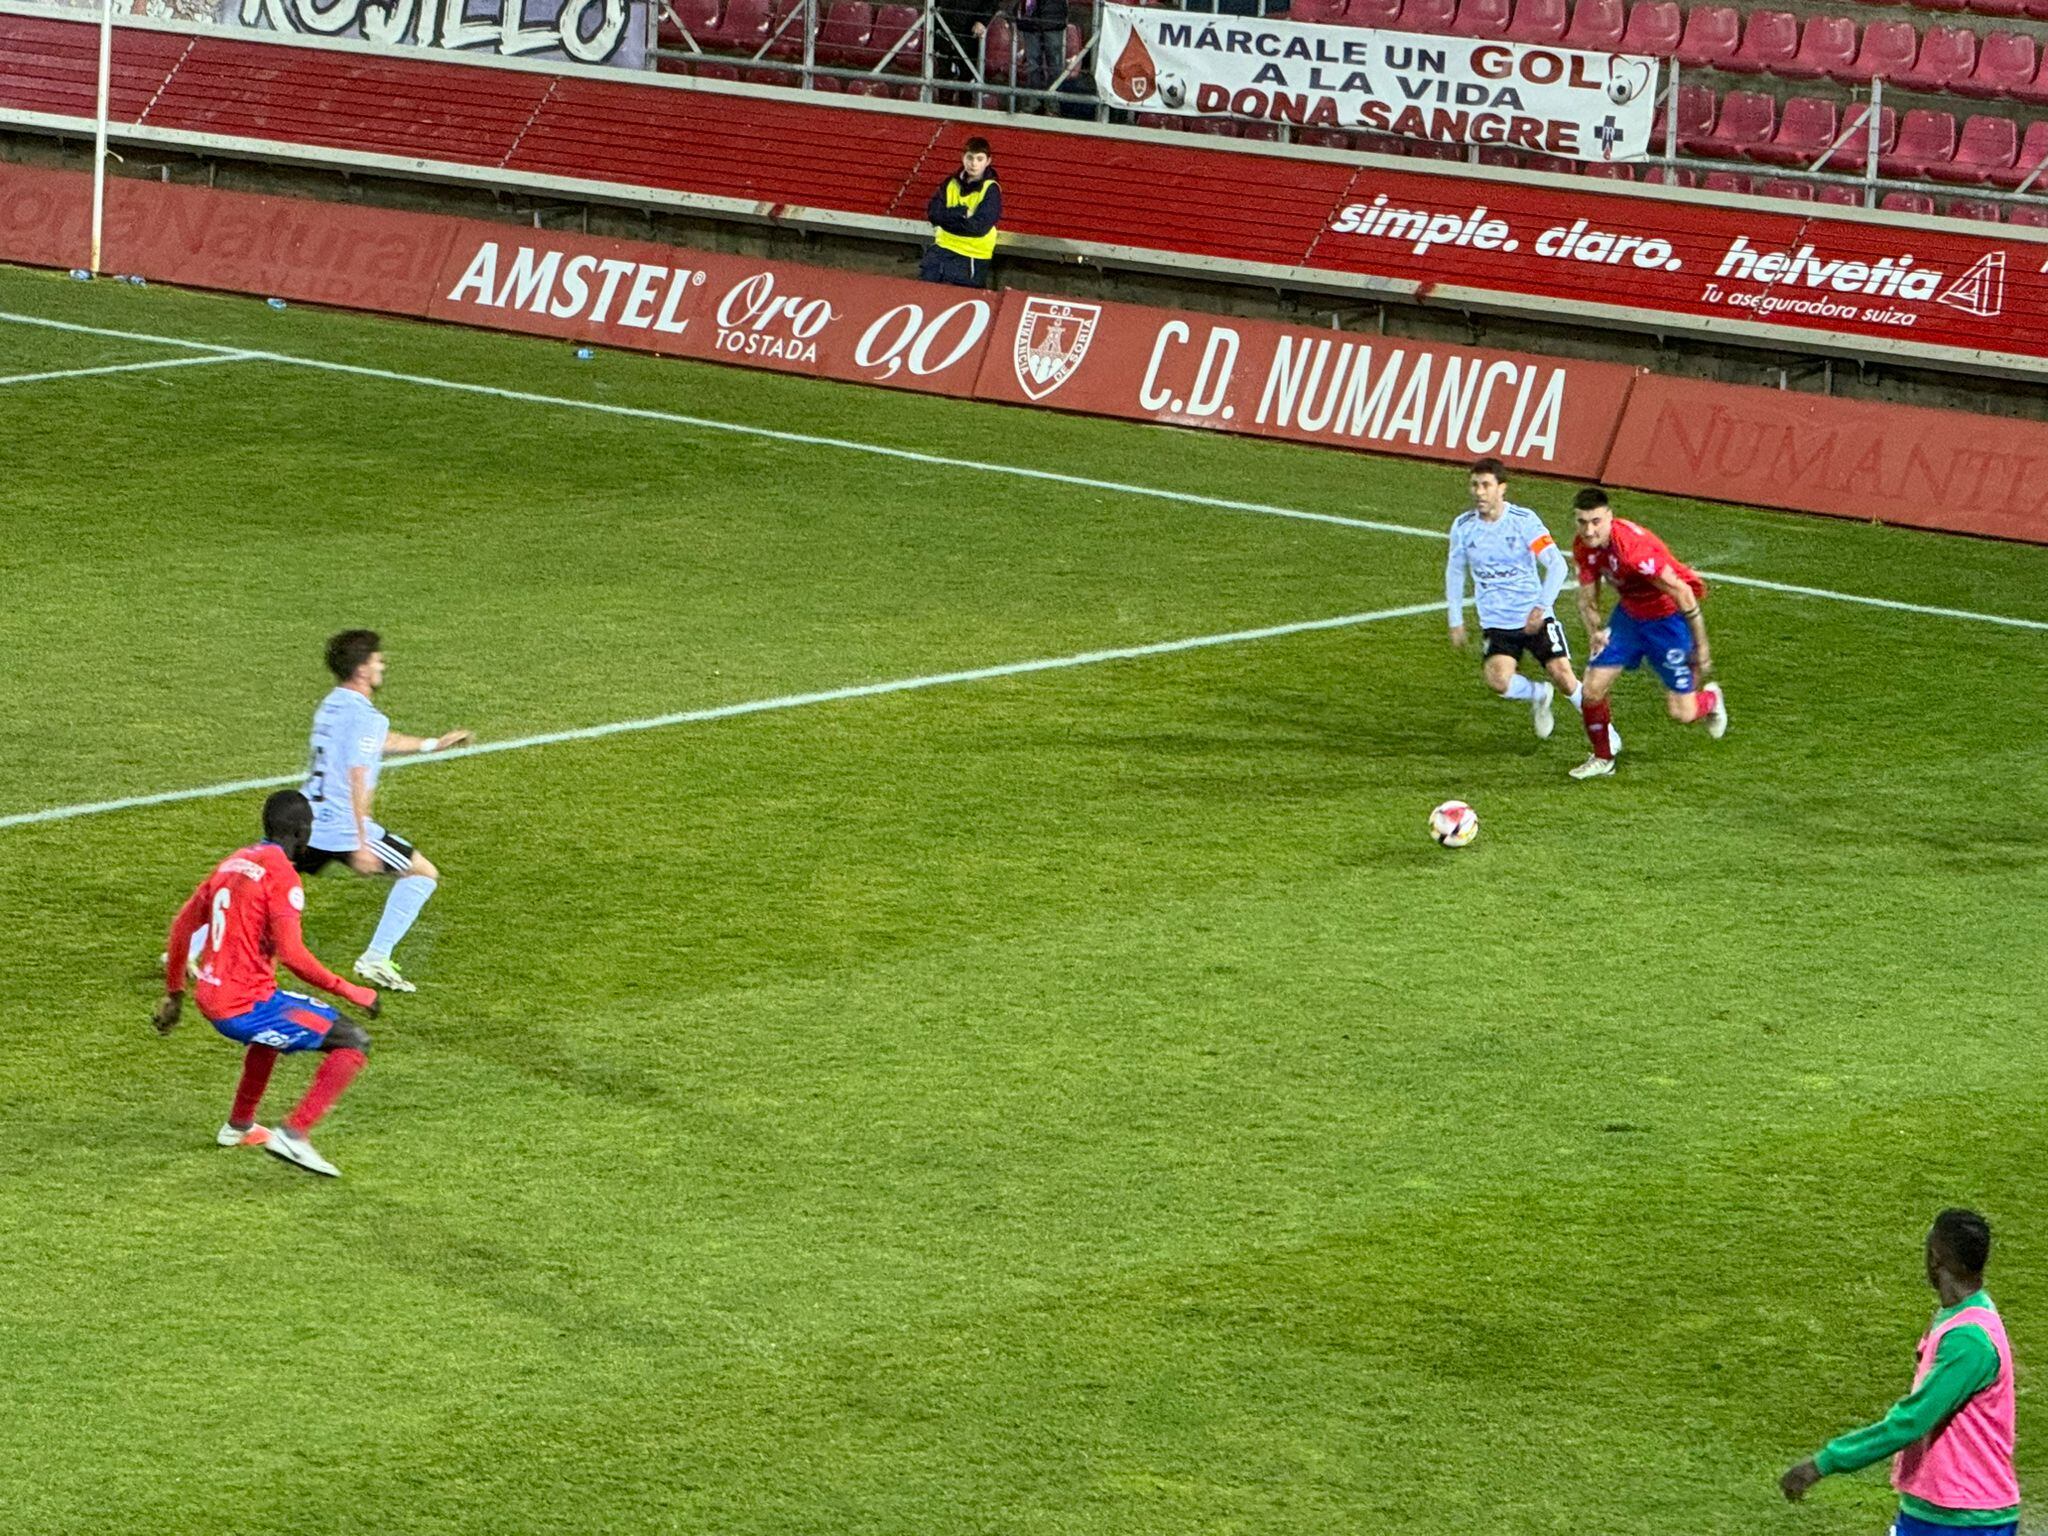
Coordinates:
964 213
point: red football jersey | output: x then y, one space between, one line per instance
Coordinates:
250 907
1631 561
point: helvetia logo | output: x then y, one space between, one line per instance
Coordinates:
1052 338
1979 291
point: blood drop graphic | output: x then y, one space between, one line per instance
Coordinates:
1134 76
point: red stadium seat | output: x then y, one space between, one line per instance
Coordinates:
1986 145
1796 191
1413 149
786 30
1997 7
1806 127
1712 34
1597 26
1269 132
1889 49
844 33
1608 170
1671 176
2038 9
2006 65
1946 54
1906 202
892 22
1837 196
1373 13
829 83
1428 15
2028 215
1326 13
697 17
1769 39
1724 181
1323 138
1936 5
1746 119
740 28
1827 44
1695 118
1482 18
1539 21
1853 155
1982 210
2033 150
1654 27
1926 138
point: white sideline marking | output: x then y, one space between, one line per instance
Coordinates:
748 707
1152 492
1877 602
162 362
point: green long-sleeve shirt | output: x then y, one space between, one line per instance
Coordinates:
1965 1363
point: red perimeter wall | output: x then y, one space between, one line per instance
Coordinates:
1597 421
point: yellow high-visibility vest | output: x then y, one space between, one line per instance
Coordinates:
966 245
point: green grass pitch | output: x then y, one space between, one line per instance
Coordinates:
1078 1102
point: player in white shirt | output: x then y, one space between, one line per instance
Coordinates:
350 740
1517 570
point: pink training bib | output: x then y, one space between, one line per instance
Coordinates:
1967 1462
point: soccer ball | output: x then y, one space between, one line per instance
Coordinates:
1173 91
1454 824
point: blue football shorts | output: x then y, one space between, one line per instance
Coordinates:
285 1021
1666 644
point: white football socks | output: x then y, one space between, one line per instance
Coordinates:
1519 687
400 908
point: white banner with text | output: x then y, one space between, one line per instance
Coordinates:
1451 90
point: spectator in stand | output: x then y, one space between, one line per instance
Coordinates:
968 21
964 213
1041 45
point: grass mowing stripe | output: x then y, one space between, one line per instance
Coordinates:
749 707
941 461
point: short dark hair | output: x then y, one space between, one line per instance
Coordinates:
1492 467
349 650
288 818
1965 1237
1592 496
976 146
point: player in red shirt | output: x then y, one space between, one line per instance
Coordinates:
1657 619
248 910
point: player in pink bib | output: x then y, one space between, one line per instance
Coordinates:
1953 1433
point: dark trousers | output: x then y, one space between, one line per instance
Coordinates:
944 266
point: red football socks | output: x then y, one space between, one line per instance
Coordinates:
256 1067
1709 701
337 1070
1598 717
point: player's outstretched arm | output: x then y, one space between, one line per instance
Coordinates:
399 742
288 939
